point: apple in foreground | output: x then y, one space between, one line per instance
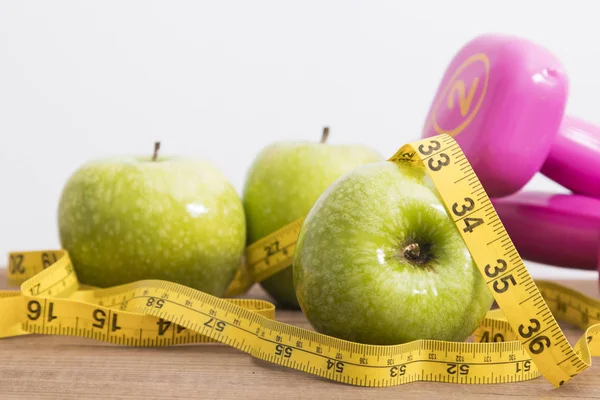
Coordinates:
379 261
282 185
129 218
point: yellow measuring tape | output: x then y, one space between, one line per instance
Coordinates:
265 258
519 341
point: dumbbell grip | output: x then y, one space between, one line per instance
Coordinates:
574 158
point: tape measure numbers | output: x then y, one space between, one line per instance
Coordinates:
87 313
265 258
524 338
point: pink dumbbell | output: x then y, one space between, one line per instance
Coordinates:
555 229
502 98
574 160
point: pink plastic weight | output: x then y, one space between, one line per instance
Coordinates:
502 98
555 229
574 160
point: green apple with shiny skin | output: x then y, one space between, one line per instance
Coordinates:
282 185
128 218
379 261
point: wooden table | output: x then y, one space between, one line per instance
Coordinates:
53 367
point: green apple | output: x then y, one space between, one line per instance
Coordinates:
282 185
379 261
128 218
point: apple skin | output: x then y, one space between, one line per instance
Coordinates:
129 218
282 185
352 278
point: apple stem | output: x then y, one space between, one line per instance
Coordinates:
325 134
156 149
412 251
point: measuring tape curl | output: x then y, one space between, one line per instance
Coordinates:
265 258
519 341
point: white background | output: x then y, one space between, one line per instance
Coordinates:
220 80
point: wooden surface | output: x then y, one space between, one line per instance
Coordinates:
53 367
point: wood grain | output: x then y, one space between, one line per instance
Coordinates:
53 367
